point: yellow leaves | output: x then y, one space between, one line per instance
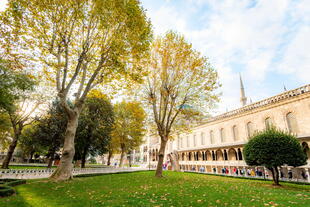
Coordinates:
95 93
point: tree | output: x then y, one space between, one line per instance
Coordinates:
80 44
273 148
14 105
49 130
20 115
13 85
28 143
95 126
113 147
128 129
180 80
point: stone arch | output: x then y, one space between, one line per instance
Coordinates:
291 122
268 122
235 133
225 156
222 135
219 155
199 156
232 154
208 156
212 141
203 156
183 156
240 154
190 156
213 155
250 129
306 149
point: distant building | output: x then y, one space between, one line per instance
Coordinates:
218 143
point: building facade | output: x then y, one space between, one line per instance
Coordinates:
217 145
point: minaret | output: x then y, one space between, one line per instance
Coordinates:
242 93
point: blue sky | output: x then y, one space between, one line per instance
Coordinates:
267 41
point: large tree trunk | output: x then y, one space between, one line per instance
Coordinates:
122 158
109 158
8 157
31 155
84 154
174 159
64 170
161 155
275 175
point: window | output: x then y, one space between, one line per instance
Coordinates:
268 122
187 141
291 123
222 133
235 132
211 137
182 142
250 129
194 139
202 138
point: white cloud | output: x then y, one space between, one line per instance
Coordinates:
244 33
296 60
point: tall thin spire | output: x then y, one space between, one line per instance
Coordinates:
243 99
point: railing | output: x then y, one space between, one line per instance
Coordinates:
302 180
215 163
45 173
271 100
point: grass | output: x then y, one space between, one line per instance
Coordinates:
143 189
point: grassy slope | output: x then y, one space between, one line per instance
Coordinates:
143 189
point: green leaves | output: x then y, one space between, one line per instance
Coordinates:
13 85
273 148
129 125
95 126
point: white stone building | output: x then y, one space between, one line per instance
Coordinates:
218 143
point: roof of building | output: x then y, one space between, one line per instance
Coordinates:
259 104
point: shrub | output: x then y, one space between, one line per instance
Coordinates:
273 148
6 191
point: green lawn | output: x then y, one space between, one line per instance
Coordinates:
143 189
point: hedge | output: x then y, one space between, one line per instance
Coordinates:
6 191
7 184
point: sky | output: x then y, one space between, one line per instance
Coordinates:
267 42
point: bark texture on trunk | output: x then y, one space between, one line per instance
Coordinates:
275 175
64 170
83 161
109 158
174 159
161 155
8 157
51 159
